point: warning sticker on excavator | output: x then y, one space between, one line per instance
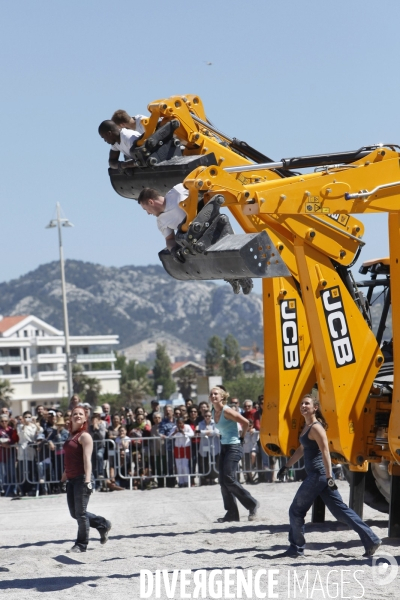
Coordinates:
342 219
316 207
312 207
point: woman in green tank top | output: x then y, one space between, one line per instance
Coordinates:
227 420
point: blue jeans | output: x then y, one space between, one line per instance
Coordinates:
78 498
231 489
316 485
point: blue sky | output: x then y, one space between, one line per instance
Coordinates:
290 78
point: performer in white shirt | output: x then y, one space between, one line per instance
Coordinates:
169 216
123 120
120 140
167 210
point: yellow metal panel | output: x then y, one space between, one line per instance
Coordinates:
345 351
289 365
294 195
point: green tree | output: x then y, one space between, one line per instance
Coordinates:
88 388
134 391
101 366
245 387
130 369
136 370
231 366
6 391
187 379
162 372
214 352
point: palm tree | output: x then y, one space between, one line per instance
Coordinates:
6 391
87 387
135 390
92 389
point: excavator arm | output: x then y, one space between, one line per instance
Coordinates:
301 238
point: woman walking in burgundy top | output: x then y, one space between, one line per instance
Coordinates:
78 475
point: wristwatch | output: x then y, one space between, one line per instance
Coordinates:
331 482
88 485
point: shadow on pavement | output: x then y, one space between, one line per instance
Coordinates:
45 584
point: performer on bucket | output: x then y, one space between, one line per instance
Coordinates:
226 420
78 475
319 482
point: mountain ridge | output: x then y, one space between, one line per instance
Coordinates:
135 303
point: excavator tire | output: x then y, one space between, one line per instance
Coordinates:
375 489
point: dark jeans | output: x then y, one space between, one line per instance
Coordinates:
313 486
231 489
78 498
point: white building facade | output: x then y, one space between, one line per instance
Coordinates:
32 359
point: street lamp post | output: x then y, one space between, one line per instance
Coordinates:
62 222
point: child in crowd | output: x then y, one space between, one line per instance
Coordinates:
181 434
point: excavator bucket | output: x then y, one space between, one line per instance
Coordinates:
162 176
231 257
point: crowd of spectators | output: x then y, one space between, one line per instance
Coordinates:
175 445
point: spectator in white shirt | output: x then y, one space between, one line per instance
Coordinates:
166 208
120 140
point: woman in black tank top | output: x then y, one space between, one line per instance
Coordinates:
319 482
78 477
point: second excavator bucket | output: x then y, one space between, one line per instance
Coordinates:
210 250
231 257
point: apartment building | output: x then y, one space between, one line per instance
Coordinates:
32 358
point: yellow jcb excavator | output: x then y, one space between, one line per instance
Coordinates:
301 239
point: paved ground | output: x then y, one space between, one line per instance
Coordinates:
176 529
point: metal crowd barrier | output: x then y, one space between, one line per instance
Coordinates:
135 463
142 461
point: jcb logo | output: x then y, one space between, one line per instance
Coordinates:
290 338
337 327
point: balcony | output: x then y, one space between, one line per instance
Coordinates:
50 376
5 360
13 377
84 358
50 358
